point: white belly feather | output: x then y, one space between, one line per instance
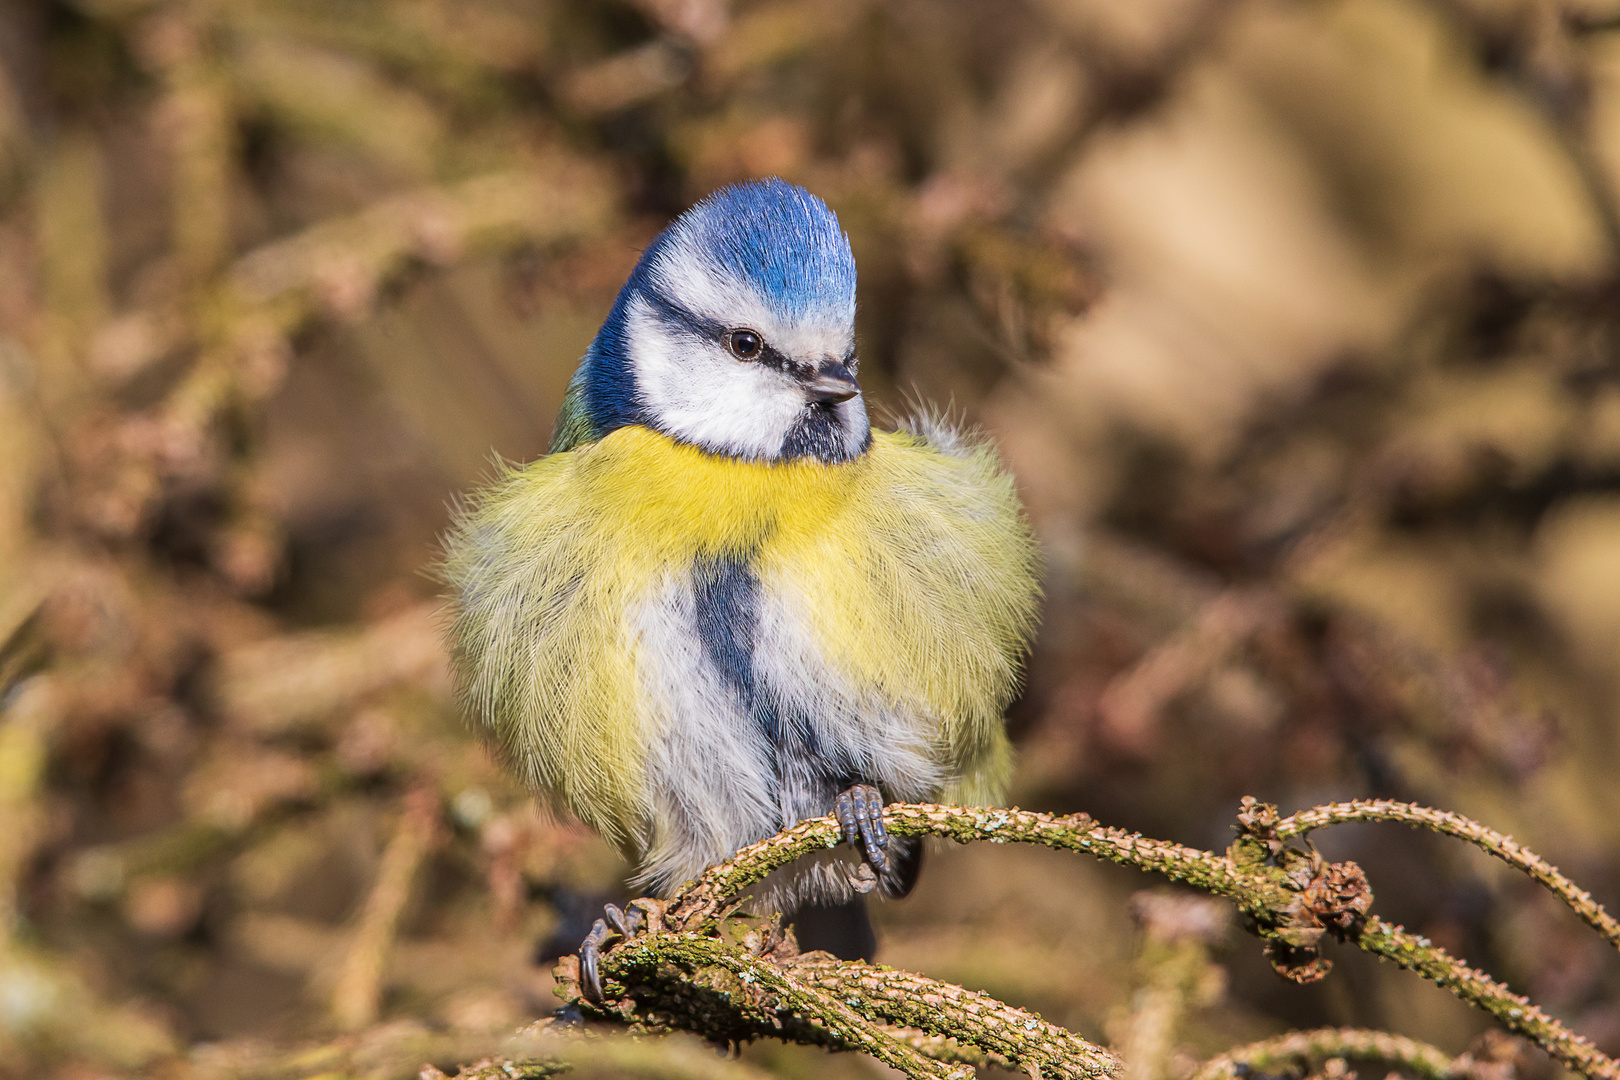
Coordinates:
719 776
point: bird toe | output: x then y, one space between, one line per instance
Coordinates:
860 815
590 952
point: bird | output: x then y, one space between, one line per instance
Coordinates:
723 602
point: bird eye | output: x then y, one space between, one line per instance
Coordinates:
744 344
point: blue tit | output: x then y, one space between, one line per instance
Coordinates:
722 603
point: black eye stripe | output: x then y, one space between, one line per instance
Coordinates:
770 358
686 319
696 325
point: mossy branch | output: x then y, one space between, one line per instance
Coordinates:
702 901
764 987
405 1050
681 974
1277 1055
1446 823
735 994
967 1017
1515 1012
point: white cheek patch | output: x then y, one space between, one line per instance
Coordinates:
698 392
694 389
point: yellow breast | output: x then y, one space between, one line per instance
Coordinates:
664 499
911 569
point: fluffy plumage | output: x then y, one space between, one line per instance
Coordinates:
722 599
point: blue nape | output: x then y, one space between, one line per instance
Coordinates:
610 386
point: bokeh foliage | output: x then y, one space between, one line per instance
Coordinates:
1297 321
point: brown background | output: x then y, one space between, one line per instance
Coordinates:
1296 320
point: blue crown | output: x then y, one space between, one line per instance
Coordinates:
780 239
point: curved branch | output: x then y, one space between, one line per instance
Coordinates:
697 981
1021 1038
1263 892
760 995
1449 824
1274 1055
1515 1012
1292 899
703 900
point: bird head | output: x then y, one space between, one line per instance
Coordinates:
736 332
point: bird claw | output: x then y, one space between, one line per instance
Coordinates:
625 923
614 923
860 814
590 952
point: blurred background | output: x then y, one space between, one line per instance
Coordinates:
1296 320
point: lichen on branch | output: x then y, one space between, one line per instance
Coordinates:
1447 823
690 968
1312 1047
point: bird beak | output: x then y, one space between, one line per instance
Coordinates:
832 383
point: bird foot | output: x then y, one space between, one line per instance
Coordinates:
860 814
614 923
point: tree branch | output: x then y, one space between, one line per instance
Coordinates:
1449 824
1277 1054
679 973
726 992
1021 1038
702 901
1516 1013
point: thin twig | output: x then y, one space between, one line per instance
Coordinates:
1515 1012
1174 973
358 993
1130 706
1275 1054
1449 824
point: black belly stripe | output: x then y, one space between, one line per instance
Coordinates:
727 596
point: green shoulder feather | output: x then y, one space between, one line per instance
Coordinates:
573 427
